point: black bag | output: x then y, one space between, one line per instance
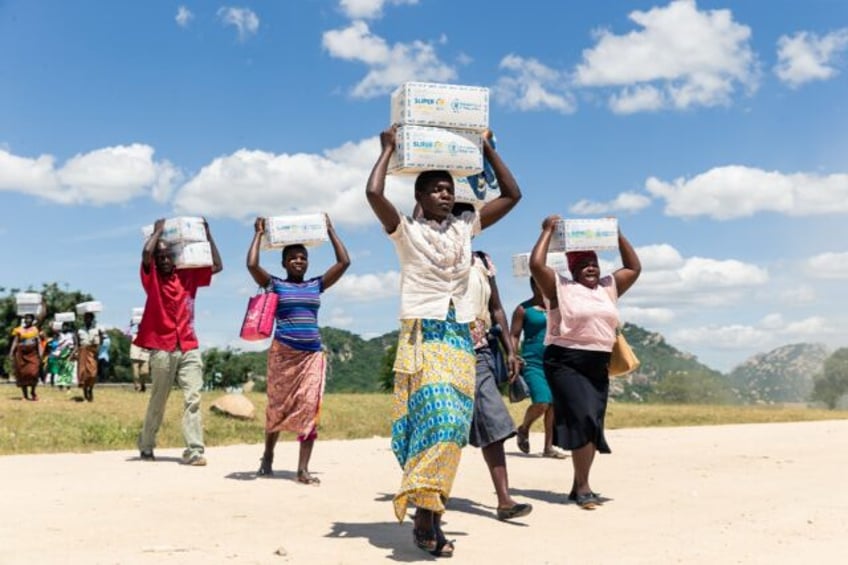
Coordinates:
499 367
518 389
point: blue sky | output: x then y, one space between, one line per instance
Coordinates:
714 131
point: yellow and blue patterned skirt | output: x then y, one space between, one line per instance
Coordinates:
432 408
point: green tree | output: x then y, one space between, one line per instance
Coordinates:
228 367
387 373
832 383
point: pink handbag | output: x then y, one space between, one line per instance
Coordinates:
259 319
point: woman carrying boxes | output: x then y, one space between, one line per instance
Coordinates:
296 363
27 349
435 363
88 344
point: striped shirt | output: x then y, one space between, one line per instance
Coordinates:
297 313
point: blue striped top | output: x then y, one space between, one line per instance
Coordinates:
297 313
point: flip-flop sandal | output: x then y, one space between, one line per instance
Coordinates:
425 539
514 511
444 547
555 454
587 501
523 441
305 478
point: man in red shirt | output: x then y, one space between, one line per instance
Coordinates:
167 330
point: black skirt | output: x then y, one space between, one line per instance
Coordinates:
579 381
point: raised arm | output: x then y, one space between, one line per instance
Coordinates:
632 267
516 326
335 272
376 187
259 274
510 194
151 243
499 317
217 265
545 276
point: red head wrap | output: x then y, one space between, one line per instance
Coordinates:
577 257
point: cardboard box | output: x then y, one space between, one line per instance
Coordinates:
305 229
92 307
56 325
183 229
135 320
419 148
521 263
441 105
464 193
27 298
28 309
192 255
138 312
63 317
588 234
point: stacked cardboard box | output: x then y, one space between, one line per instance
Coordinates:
90 307
440 127
599 234
304 229
521 263
28 303
186 240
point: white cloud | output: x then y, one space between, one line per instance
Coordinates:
389 66
368 9
532 86
771 331
828 266
805 56
338 318
251 182
682 57
368 287
736 191
184 16
669 279
647 316
624 202
104 176
244 20
798 295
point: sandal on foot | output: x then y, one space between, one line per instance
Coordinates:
305 478
514 511
554 453
424 539
444 547
587 500
265 467
523 440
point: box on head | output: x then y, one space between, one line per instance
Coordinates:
304 229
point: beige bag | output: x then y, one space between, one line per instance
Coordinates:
623 361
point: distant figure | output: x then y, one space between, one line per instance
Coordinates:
88 344
51 363
104 357
582 321
167 330
435 363
26 352
139 362
530 318
296 362
64 353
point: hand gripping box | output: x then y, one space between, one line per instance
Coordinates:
305 229
192 255
137 314
521 263
441 105
91 307
184 229
599 234
419 148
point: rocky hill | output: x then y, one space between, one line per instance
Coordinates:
782 375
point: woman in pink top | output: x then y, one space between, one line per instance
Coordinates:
582 320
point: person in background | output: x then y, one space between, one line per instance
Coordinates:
296 361
64 353
51 363
26 352
87 345
103 357
435 363
139 361
167 330
582 321
491 424
531 319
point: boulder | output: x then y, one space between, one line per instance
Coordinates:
234 406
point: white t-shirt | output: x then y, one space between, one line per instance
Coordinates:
435 258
